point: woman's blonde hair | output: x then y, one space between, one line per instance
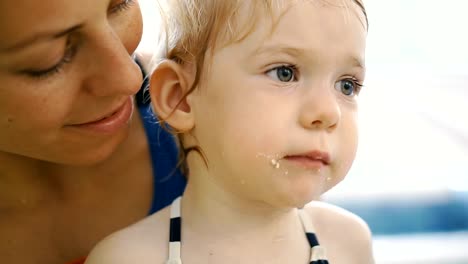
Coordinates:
192 29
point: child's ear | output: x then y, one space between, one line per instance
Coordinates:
169 84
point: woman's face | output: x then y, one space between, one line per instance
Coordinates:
67 77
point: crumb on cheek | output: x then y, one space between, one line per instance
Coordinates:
275 163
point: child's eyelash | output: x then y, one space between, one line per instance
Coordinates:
358 84
293 69
124 5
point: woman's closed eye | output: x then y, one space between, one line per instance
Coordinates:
284 73
121 6
72 47
349 86
70 51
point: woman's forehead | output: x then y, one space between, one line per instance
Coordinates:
20 20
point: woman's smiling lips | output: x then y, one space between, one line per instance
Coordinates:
112 122
310 160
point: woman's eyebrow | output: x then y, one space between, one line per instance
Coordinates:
38 37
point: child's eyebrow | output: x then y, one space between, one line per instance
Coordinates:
298 52
356 62
278 49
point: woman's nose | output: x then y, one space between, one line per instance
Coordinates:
112 70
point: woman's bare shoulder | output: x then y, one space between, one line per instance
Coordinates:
143 242
345 235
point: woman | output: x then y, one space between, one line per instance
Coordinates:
78 149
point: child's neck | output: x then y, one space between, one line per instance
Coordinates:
218 227
215 211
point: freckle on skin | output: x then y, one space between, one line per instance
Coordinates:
10 120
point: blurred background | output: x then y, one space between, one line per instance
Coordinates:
410 179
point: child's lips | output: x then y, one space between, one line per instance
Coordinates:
310 160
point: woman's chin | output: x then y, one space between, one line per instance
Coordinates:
90 154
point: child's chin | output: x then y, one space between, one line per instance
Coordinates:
307 188
299 200
304 202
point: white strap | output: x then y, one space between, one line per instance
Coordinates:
174 247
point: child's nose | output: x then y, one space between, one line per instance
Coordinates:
320 110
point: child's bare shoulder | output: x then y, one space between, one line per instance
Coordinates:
344 235
143 242
326 215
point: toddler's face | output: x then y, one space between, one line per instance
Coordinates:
276 114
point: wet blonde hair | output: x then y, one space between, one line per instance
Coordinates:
193 29
190 28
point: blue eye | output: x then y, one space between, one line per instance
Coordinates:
284 73
348 87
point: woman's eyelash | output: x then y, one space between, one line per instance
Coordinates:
71 49
124 5
67 58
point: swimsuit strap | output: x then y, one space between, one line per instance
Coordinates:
317 253
175 233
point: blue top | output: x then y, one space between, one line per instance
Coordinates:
169 183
